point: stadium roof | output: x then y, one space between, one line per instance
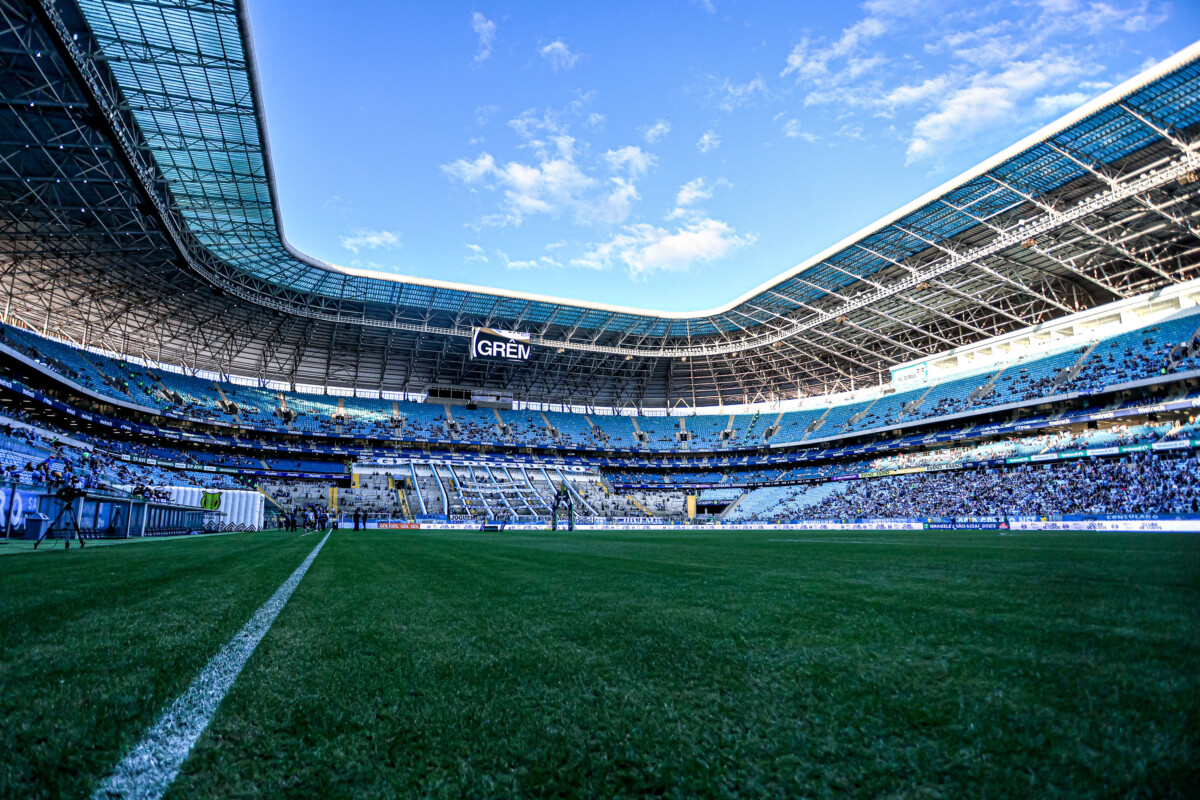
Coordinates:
166 240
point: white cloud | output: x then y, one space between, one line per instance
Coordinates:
556 182
707 5
363 238
485 29
559 55
542 262
996 98
471 171
644 249
729 95
476 253
1049 105
916 94
965 68
337 205
710 140
793 130
483 114
850 132
1097 17
964 111
693 192
657 131
631 158
811 61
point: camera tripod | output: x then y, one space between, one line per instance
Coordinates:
68 497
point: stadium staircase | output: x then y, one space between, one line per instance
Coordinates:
1068 374
282 411
638 434
228 406
638 503
500 426
984 391
730 508
854 420
816 424
750 428
1185 349
774 427
441 488
270 499
911 407
104 376
597 431
555 433
402 497
169 396
339 415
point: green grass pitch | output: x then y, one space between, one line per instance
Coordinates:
718 664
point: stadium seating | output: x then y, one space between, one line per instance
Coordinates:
1138 483
1157 349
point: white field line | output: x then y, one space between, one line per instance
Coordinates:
149 768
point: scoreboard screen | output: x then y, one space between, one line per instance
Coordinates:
495 344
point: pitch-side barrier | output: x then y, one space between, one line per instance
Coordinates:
1144 523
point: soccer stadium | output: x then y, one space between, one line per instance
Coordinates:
917 516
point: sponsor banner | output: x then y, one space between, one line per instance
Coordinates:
843 525
1127 517
399 525
955 525
1166 525
501 345
189 467
390 463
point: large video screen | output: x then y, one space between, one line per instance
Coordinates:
492 343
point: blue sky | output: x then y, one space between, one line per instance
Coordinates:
664 155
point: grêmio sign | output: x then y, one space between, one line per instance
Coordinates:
492 343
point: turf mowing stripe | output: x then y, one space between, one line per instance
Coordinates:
150 767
